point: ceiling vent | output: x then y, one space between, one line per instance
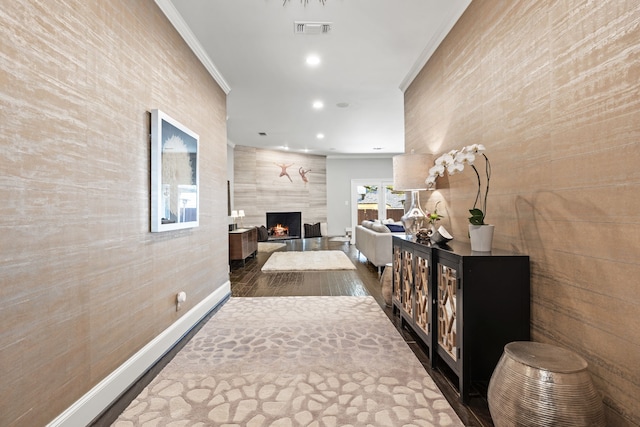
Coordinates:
300 27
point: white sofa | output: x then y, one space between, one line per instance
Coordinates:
374 241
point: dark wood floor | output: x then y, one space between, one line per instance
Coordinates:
249 281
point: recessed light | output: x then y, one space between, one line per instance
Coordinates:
262 133
320 135
342 104
318 105
313 60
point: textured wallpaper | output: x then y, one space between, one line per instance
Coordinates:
84 282
552 90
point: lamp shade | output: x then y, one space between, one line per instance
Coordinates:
410 171
234 214
241 213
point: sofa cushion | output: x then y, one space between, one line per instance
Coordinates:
312 230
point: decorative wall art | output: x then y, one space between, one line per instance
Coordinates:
303 174
301 171
283 170
174 174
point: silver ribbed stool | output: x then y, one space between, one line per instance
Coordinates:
536 384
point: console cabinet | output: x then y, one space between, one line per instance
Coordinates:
464 306
243 243
412 297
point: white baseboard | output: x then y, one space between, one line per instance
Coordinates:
96 400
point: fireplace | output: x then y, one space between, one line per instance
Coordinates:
284 225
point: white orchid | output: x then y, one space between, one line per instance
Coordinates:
454 161
456 166
471 151
437 170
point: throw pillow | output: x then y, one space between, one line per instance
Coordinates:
380 228
395 228
263 234
312 230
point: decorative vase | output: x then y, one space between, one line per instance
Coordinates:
432 230
385 280
413 219
441 236
481 237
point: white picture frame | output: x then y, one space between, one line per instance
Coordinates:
175 202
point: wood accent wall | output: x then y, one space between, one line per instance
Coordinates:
84 284
259 188
552 89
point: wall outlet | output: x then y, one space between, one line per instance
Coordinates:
180 298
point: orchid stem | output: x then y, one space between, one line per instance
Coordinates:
486 192
475 203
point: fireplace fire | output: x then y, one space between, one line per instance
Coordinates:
284 225
279 230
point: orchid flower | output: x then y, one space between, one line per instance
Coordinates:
437 170
453 162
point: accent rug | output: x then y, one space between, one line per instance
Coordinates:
270 246
308 261
293 361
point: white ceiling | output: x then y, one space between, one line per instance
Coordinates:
373 51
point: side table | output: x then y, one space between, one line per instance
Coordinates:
537 384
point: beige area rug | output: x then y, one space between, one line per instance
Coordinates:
293 361
270 246
308 261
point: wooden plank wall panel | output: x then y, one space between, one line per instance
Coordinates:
83 282
259 188
552 89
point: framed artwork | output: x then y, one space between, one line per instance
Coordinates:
174 174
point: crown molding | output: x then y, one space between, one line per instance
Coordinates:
172 14
434 42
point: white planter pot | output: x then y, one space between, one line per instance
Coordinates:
481 237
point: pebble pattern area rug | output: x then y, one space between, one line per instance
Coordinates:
293 361
308 261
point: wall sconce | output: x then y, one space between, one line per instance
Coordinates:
409 172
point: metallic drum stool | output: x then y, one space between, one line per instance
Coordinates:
536 384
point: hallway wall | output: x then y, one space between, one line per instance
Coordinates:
84 282
552 89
